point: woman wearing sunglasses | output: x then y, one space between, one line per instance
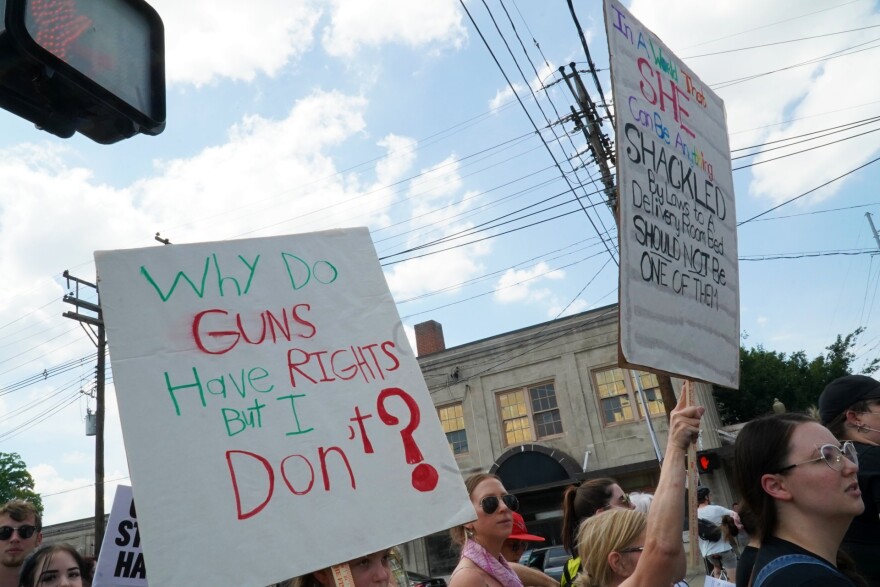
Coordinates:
626 548
801 484
481 562
850 408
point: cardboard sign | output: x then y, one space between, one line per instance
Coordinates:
679 273
275 418
121 563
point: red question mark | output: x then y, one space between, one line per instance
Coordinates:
424 476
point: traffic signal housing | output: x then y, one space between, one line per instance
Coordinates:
96 67
708 462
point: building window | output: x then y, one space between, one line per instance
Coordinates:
618 393
452 420
529 414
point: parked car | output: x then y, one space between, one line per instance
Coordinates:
550 559
420 580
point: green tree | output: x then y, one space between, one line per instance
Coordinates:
16 482
793 379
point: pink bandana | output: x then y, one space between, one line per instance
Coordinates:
497 567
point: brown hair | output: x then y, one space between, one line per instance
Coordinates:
38 561
580 502
19 510
762 447
458 534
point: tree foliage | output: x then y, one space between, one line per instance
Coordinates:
793 379
16 482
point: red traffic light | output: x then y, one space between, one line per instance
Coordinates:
91 66
708 462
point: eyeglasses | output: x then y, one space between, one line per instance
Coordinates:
516 545
622 502
490 503
24 532
833 456
631 549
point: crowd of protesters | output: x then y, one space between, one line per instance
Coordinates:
808 516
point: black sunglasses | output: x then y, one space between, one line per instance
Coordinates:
24 532
490 504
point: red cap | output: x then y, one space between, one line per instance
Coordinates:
520 532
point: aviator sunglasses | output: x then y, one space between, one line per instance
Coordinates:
832 455
24 532
490 504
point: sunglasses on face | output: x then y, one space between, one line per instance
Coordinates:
834 456
490 504
24 532
516 545
621 502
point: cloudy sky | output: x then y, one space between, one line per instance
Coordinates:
288 116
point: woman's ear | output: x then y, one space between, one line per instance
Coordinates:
773 485
617 563
854 419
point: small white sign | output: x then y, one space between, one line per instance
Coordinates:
275 418
121 562
679 272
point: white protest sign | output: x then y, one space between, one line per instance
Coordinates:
679 274
121 563
275 418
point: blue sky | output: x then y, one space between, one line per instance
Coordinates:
288 116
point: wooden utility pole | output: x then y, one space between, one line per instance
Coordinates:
93 319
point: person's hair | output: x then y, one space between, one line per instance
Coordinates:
599 536
749 521
37 562
457 534
837 426
580 502
20 509
641 501
762 447
729 531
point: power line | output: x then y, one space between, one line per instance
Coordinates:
802 150
522 105
781 42
830 181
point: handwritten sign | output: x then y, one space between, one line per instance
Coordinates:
679 276
275 419
121 563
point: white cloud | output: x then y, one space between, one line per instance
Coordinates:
503 96
762 321
370 23
521 285
210 39
560 310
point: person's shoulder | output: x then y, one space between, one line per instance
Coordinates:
466 574
807 575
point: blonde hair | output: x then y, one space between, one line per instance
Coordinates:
601 535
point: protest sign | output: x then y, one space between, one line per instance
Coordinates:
679 274
121 563
274 416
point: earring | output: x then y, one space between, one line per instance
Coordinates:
469 532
